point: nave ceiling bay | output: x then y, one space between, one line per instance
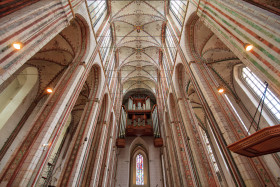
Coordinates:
138 27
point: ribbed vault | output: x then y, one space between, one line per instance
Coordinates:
137 32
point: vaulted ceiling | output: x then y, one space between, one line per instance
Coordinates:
137 30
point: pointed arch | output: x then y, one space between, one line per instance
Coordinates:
139 164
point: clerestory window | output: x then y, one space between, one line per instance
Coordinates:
106 44
171 46
178 8
96 10
258 87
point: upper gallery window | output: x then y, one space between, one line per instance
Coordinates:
178 8
171 46
106 44
271 101
96 9
139 170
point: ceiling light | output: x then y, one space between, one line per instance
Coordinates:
17 45
248 47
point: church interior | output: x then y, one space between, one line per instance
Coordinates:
148 93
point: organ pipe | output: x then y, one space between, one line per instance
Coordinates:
130 103
123 123
155 122
148 104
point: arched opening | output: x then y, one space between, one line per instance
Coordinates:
104 171
139 167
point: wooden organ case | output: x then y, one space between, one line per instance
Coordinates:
139 119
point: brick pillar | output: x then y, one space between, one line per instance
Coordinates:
170 156
199 155
22 164
253 171
81 142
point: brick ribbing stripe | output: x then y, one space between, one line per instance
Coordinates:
70 164
258 165
21 154
269 8
30 40
39 17
208 16
9 6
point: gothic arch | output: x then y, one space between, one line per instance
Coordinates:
189 40
181 80
77 125
66 49
138 147
105 161
85 34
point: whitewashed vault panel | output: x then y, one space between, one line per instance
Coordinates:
138 32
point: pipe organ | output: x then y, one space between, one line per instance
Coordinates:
139 120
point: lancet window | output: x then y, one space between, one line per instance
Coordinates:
139 170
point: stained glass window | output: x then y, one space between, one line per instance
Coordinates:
139 170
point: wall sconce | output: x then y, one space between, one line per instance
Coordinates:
49 90
45 145
221 89
17 45
248 47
